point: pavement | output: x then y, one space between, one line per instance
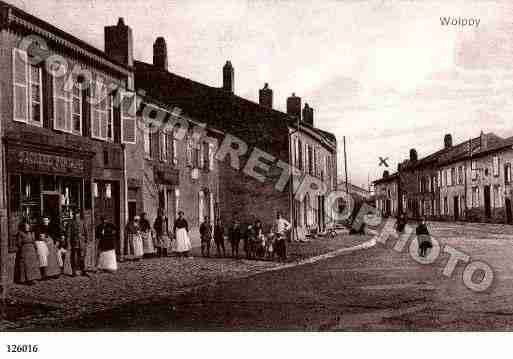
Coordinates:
149 280
374 289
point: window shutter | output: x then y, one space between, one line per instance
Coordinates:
189 151
154 143
128 119
20 83
169 146
95 114
175 149
60 108
211 157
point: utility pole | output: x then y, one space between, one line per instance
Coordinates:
345 165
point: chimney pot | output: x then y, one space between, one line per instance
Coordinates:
228 77
294 106
448 140
118 43
160 53
413 154
308 114
265 96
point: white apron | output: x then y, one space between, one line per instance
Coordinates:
42 253
182 242
148 246
138 245
107 260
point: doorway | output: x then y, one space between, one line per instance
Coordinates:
51 207
456 208
488 210
508 211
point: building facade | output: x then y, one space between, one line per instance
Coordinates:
62 139
386 194
470 181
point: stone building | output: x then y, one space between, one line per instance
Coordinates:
470 181
386 194
63 128
252 129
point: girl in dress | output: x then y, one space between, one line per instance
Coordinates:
27 263
182 241
52 269
134 238
146 235
161 231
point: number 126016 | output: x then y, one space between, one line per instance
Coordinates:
22 348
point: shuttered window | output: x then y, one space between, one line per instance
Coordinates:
35 95
101 112
128 118
20 82
61 104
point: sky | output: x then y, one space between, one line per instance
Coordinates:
386 74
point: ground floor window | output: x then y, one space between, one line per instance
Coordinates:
32 196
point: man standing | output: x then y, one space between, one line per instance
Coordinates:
235 235
77 240
206 236
219 237
281 227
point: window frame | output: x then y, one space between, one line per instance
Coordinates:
29 95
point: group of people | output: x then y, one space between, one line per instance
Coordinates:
421 231
48 250
145 241
256 244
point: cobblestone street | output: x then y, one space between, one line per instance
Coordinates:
149 280
372 289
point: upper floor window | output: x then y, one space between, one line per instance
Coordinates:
507 173
299 163
495 165
453 177
101 111
27 90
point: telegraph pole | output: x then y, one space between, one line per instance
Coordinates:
345 165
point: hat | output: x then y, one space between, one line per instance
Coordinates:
136 218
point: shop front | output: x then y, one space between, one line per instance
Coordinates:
46 182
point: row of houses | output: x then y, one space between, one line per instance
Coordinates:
470 181
83 128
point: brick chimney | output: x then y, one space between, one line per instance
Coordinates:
160 53
413 154
448 140
294 106
228 77
484 140
265 96
308 114
119 43
386 174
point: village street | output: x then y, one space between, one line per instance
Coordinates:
370 289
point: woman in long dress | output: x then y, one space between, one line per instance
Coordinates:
134 238
182 244
106 236
146 235
27 263
44 233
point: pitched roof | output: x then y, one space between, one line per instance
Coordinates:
218 108
11 16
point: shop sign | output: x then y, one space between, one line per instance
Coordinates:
41 162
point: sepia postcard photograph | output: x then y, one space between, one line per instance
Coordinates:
263 166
